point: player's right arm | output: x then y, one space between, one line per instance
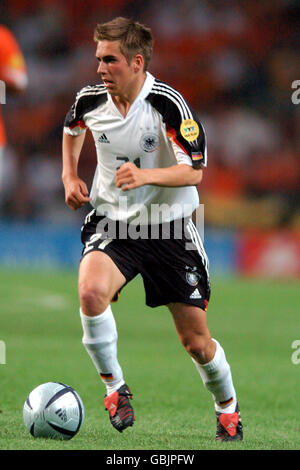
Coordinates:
75 128
76 191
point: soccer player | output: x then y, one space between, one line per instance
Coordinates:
13 76
151 152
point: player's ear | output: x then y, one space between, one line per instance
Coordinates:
138 62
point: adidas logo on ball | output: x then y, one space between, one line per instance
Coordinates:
62 414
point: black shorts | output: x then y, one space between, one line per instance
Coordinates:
170 257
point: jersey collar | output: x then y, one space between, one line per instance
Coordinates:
148 84
146 88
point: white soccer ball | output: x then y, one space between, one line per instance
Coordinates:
53 410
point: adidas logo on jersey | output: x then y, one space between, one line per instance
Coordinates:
195 295
103 139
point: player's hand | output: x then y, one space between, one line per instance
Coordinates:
129 176
76 193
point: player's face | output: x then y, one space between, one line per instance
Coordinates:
118 76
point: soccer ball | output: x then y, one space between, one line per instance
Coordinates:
53 410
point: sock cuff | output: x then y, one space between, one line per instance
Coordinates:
97 319
214 363
110 388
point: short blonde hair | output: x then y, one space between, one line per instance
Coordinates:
134 37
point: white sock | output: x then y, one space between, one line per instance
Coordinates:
216 376
100 340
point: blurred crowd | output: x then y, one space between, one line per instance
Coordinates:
234 61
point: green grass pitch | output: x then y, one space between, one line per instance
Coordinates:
256 321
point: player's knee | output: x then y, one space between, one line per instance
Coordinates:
94 299
198 348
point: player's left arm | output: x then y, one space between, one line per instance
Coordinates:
188 142
187 138
129 176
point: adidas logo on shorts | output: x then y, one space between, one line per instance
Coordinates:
195 295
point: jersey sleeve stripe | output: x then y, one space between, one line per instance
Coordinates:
185 112
91 88
180 105
156 92
87 93
182 122
86 100
181 102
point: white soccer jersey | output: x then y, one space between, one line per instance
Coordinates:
160 130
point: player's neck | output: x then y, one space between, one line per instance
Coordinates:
124 101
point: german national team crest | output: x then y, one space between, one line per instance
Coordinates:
149 142
192 277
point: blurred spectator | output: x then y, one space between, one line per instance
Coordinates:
13 78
